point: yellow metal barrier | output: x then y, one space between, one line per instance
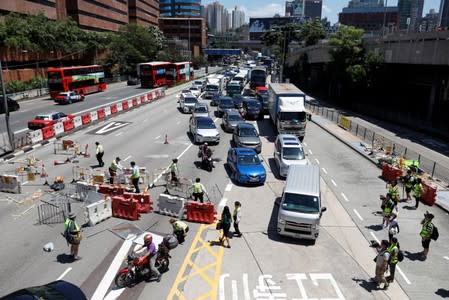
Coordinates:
344 122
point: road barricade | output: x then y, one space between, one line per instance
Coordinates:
113 108
77 122
149 97
99 211
110 189
119 107
142 99
144 203
171 206
85 119
130 103
93 116
200 212
48 132
107 111
68 125
162 93
134 101
125 105
158 94
58 128
22 140
390 173
429 193
124 209
82 189
35 136
100 113
10 184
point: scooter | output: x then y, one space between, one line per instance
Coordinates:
207 162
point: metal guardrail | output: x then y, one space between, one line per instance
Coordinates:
379 143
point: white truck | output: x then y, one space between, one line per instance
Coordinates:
286 109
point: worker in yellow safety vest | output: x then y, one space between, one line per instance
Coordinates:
387 210
393 192
115 165
417 191
72 234
99 154
135 177
198 190
393 249
408 181
180 229
426 233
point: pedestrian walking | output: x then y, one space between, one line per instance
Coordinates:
115 165
99 154
426 233
174 170
225 226
198 190
72 234
135 176
393 250
236 217
417 192
180 229
382 264
387 209
393 192
393 227
408 181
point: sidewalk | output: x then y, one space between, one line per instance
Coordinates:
442 199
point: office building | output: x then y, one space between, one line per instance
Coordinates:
52 9
444 16
410 13
143 12
371 16
294 8
365 3
312 9
180 8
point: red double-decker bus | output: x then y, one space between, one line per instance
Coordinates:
179 72
153 74
80 79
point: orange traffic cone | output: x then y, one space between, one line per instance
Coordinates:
166 140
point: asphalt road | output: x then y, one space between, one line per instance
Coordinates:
259 265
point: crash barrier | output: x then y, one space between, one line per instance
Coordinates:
35 136
68 125
93 116
125 105
85 119
58 128
54 212
77 122
113 108
134 102
344 122
158 94
10 184
22 141
119 107
93 196
200 212
48 132
390 173
429 193
149 97
130 103
124 208
171 206
144 203
82 190
110 189
98 211
142 99
107 111
100 113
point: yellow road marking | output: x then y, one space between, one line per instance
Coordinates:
199 244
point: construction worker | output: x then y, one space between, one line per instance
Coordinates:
387 209
417 192
393 249
180 229
72 234
393 192
115 165
174 170
408 181
135 176
198 190
99 154
426 233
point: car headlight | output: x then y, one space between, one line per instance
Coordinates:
199 135
313 226
281 221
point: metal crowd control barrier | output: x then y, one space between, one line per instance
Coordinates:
53 212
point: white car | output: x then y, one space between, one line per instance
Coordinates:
187 102
200 110
203 130
195 91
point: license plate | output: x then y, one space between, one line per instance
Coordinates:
254 179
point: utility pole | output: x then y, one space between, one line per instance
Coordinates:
5 102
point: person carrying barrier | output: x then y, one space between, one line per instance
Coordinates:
180 229
174 171
198 190
408 181
115 165
135 177
72 234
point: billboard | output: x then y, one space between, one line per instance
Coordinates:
223 52
257 26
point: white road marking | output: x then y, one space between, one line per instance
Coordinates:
324 170
403 275
25 183
114 294
157 156
310 152
445 257
179 122
222 203
358 215
65 273
317 161
157 137
333 182
305 144
344 197
374 237
128 157
103 287
120 133
228 187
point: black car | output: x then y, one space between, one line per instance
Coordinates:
225 104
133 81
12 105
60 289
252 109
215 99
238 100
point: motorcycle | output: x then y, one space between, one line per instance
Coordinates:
207 162
138 267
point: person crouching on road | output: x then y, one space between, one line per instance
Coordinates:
135 177
180 229
115 165
72 233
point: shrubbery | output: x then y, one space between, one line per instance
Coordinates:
16 86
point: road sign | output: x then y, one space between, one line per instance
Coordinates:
110 127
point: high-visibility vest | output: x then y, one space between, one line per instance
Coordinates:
389 204
236 214
174 167
417 190
197 188
180 226
136 172
393 192
393 250
426 231
100 148
409 181
113 166
71 226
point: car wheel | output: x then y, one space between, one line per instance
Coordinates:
69 101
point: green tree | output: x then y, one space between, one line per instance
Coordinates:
312 32
280 38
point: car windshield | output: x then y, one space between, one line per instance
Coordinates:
198 82
235 118
262 92
42 117
206 124
190 100
202 109
194 88
185 91
253 104
226 103
301 203
299 116
211 87
248 160
293 153
248 131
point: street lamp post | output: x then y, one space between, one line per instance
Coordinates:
5 103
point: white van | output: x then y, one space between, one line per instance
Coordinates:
300 206
288 151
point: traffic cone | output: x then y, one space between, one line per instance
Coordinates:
166 140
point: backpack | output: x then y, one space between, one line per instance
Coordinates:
435 233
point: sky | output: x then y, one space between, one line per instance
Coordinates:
331 8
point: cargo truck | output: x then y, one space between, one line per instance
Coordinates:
286 109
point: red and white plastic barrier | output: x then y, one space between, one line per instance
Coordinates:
93 116
107 111
77 122
35 136
119 107
58 128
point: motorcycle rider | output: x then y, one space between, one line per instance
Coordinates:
151 253
206 153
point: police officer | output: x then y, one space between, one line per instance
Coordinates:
417 192
135 176
426 233
408 181
198 190
115 165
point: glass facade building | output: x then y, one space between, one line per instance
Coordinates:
180 8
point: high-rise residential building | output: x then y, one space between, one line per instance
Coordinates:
238 18
313 8
217 17
444 13
288 8
180 8
410 13
430 21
